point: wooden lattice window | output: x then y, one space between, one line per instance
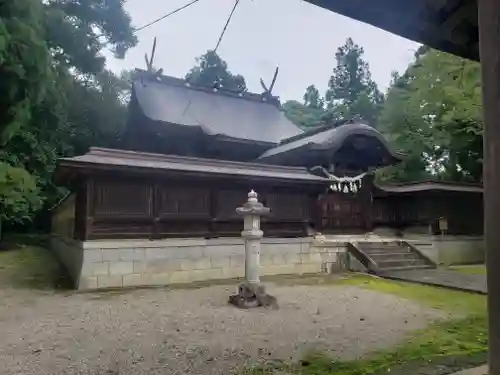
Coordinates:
189 201
122 199
286 206
228 201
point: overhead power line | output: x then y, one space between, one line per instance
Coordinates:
225 26
166 15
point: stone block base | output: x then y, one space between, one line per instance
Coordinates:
136 263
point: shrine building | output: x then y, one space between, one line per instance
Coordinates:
161 208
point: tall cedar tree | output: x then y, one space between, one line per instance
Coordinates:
351 91
211 69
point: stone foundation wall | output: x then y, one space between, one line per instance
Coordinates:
128 263
450 250
460 250
70 253
445 250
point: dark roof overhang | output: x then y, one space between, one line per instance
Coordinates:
102 159
329 140
447 25
427 186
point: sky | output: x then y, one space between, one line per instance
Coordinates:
299 37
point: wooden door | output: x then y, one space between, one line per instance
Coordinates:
341 212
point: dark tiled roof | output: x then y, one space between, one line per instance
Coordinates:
110 158
330 138
236 115
412 187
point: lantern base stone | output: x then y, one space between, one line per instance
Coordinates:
253 295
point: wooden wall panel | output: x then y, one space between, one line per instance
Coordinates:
227 200
183 201
287 206
154 208
135 208
122 198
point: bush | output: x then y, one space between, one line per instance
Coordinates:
19 194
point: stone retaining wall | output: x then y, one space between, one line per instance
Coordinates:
450 250
127 263
446 249
460 250
70 253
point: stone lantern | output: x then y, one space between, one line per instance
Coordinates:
251 293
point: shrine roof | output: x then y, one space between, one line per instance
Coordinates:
448 25
111 159
329 138
240 115
412 187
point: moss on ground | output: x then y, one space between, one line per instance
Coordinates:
471 270
443 347
457 302
29 266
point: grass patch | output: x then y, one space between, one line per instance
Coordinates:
30 266
439 298
442 348
471 270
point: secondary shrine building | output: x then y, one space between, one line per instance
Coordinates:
161 209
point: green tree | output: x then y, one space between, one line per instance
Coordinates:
312 98
26 79
19 194
211 69
433 111
303 116
310 113
96 111
351 91
400 121
78 31
25 65
56 98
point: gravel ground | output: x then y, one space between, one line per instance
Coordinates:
192 331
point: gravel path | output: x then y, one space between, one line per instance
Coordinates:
192 331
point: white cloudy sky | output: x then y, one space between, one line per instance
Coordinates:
298 37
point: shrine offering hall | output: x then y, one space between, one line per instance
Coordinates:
161 208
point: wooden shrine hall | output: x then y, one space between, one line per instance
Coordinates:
190 155
188 158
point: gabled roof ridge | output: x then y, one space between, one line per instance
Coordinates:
143 75
321 129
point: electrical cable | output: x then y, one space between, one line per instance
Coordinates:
225 26
165 16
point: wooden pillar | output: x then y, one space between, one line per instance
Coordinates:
154 208
489 42
366 196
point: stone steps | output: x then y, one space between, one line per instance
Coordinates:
382 251
407 268
401 263
392 256
380 257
